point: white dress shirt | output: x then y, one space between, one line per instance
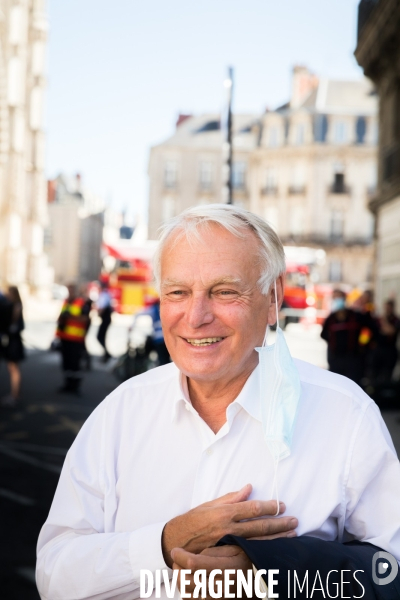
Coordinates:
144 456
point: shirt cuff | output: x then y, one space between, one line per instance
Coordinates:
145 550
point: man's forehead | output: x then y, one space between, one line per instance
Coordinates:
171 281
210 259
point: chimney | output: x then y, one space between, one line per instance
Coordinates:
78 182
51 190
182 118
303 83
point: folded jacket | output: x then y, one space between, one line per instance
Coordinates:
313 568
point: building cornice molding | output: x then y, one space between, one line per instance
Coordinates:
378 39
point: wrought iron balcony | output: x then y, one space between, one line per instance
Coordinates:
269 190
296 189
338 187
326 240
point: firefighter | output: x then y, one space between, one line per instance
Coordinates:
72 326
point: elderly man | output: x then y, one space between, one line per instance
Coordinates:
178 457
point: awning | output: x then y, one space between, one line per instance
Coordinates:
129 252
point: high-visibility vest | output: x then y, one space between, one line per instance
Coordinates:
74 330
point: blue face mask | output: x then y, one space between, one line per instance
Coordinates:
280 391
338 304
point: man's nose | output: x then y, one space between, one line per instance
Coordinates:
199 311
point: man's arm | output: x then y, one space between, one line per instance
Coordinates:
325 329
77 556
372 485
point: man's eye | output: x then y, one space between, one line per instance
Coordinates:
226 293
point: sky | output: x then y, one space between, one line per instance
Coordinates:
120 71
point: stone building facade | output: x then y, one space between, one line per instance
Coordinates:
23 205
308 168
75 233
314 171
378 53
186 169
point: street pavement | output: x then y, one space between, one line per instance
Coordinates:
35 436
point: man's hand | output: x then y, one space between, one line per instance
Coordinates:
203 526
221 557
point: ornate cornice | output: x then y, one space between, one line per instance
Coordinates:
378 42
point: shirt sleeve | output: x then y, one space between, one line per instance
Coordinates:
76 557
373 485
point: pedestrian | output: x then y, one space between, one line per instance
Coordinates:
369 335
342 330
87 308
156 340
387 353
104 310
13 350
71 329
232 437
5 322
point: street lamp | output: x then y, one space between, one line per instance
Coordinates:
226 126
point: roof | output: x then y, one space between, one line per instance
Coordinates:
205 131
343 97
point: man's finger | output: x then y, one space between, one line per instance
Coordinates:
252 509
187 560
262 527
232 497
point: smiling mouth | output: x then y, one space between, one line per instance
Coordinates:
204 341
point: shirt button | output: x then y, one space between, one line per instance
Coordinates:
187 406
209 452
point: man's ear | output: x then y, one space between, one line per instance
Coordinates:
280 284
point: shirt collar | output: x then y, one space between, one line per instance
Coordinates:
248 398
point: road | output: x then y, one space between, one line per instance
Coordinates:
35 437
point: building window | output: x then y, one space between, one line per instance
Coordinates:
361 128
339 185
271 216
273 137
168 208
298 180
300 134
270 182
209 126
239 175
340 132
337 225
296 221
170 174
286 129
206 175
320 128
335 271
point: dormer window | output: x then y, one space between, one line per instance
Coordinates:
170 174
300 134
340 132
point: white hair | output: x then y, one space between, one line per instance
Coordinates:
234 219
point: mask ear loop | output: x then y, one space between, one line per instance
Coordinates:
275 488
277 317
276 306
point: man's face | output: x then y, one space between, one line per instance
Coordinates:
71 292
338 294
212 311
